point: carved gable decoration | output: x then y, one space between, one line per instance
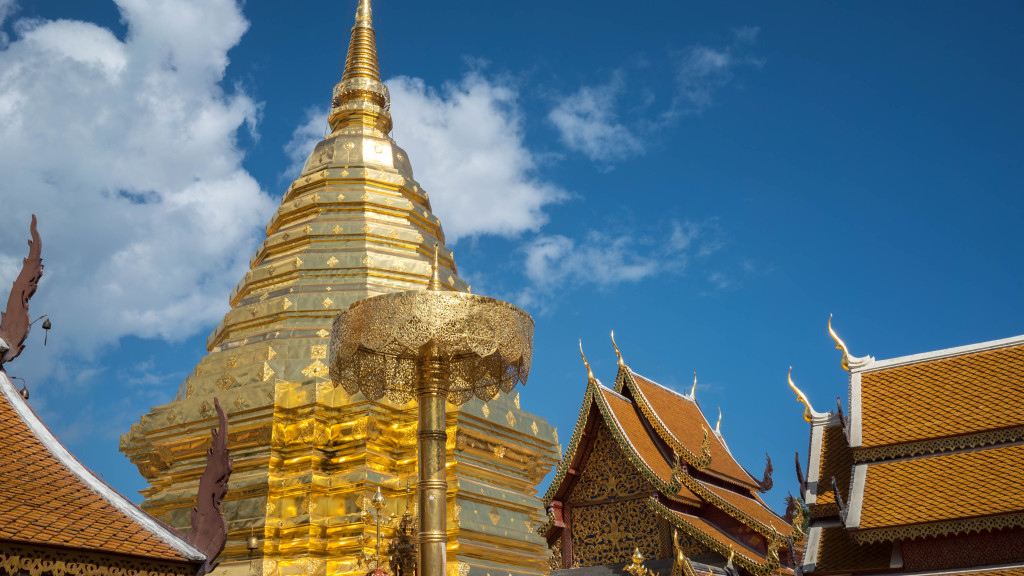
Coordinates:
608 474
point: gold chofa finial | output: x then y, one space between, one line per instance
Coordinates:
840 345
718 425
617 353
364 15
590 373
809 412
693 390
435 281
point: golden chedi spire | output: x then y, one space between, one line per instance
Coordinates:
353 224
361 101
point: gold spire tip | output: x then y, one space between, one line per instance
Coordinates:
802 398
364 14
622 364
590 373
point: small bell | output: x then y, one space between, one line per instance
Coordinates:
46 328
252 543
23 392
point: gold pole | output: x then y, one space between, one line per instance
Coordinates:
433 485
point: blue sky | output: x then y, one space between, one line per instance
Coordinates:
709 180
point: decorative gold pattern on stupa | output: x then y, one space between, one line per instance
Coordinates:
304 451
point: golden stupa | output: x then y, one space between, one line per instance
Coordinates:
308 456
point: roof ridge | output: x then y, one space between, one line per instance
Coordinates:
58 451
911 359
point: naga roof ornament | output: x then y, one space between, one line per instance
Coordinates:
718 425
809 413
590 373
618 354
693 390
848 362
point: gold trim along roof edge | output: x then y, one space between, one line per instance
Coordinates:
754 565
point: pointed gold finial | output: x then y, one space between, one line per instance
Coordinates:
693 390
364 15
718 425
361 100
840 345
590 373
809 412
435 282
617 353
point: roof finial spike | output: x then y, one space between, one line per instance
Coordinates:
718 425
590 373
848 361
617 353
840 345
364 15
693 390
435 281
809 413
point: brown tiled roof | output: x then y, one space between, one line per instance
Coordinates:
721 537
44 503
684 419
837 552
633 429
944 487
836 460
751 506
963 394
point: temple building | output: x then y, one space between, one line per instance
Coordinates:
58 519
308 456
643 472
926 474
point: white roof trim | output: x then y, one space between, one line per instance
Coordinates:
814 456
856 503
152 525
939 354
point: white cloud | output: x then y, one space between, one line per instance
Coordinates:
704 70
465 143
126 149
555 262
304 138
587 122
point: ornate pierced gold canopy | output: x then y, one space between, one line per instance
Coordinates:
484 345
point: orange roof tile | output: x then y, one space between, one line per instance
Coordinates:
962 394
944 487
684 420
837 552
716 534
630 423
44 503
751 506
836 460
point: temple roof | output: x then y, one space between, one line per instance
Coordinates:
963 394
680 422
653 439
932 447
959 486
48 498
